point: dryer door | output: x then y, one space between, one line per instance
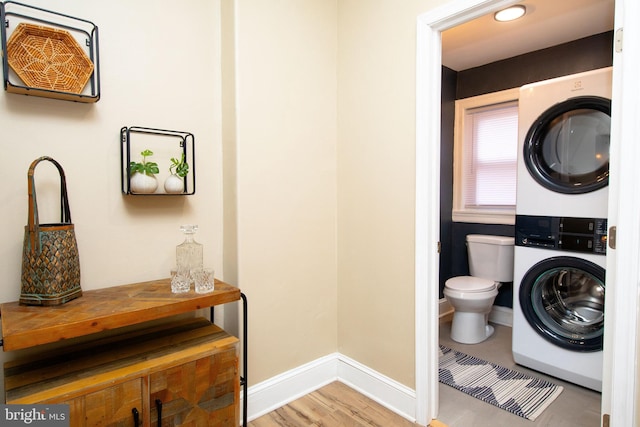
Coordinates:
562 298
566 150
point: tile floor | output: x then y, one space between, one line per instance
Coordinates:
575 407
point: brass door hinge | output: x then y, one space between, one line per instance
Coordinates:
605 420
612 237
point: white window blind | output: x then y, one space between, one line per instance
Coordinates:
490 157
485 158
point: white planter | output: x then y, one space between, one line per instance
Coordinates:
143 183
174 184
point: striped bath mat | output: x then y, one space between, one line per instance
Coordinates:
513 391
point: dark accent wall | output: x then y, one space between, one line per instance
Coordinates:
449 82
577 56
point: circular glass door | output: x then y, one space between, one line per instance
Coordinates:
562 298
566 150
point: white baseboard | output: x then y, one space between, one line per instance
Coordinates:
387 392
501 315
286 387
444 308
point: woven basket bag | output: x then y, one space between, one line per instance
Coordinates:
50 261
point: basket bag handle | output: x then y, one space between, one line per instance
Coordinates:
33 224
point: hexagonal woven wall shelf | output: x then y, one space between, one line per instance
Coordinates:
48 58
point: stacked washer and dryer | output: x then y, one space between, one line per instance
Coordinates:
561 226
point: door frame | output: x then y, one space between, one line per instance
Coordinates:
623 302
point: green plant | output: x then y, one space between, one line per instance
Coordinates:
179 167
147 168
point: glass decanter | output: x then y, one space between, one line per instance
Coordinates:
189 252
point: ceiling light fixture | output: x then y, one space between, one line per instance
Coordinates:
510 13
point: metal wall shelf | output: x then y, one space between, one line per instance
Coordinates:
80 33
165 144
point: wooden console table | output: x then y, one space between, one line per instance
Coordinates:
106 309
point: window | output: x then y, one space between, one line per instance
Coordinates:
485 158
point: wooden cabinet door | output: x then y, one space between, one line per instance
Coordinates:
202 393
191 367
110 407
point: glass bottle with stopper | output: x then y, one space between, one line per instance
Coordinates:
189 252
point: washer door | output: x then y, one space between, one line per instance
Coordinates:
562 298
566 150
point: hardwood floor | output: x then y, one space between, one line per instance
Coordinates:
337 405
334 405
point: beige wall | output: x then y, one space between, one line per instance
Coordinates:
313 163
159 68
376 183
286 174
326 136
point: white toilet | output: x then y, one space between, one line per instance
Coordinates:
490 263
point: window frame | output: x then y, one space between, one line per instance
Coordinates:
461 131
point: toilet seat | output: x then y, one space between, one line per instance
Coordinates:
470 284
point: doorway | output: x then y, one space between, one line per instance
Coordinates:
622 304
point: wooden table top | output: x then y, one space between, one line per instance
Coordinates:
100 310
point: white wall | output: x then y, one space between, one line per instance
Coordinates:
160 67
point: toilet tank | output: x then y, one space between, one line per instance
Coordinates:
491 257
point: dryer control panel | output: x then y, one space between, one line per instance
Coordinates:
587 235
